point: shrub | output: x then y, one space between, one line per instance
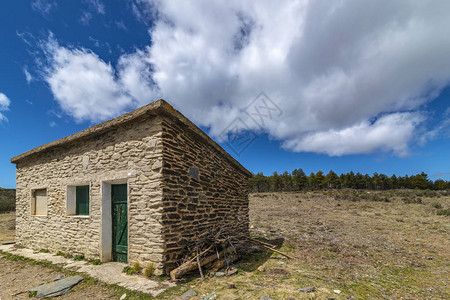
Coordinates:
412 200
128 270
65 255
95 262
149 270
437 205
78 257
136 267
443 212
44 251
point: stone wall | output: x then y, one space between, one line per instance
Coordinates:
132 153
214 197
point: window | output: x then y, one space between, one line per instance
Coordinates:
82 205
39 202
78 200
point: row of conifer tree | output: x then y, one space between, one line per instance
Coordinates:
298 180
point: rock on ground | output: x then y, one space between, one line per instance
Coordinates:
56 288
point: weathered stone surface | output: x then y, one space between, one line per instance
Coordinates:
188 295
56 288
92 162
217 199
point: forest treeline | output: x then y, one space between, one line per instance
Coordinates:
298 181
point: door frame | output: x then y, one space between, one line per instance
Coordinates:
106 217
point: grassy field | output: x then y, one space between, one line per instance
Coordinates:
369 245
365 245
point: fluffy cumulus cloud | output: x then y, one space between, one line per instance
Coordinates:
4 105
349 76
362 137
84 85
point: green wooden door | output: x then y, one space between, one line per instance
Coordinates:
119 222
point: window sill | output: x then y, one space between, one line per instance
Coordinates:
79 216
38 215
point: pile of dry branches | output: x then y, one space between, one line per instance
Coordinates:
212 251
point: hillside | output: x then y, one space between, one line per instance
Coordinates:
7 200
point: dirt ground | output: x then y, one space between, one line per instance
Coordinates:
16 278
363 249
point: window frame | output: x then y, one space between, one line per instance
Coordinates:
33 201
71 200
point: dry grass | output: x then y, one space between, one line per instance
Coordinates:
7 226
365 245
369 249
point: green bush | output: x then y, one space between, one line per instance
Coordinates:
95 262
129 270
443 212
78 257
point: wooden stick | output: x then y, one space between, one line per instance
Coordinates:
199 265
279 252
274 250
262 243
200 254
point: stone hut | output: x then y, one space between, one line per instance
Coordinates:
136 188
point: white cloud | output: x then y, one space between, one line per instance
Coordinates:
135 77
332 67
84 85
97 6
94 6
43 6
85 18
364 137
28 76
4 106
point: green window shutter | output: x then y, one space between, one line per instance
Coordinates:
82 198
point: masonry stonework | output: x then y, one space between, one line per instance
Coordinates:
216 199
152 150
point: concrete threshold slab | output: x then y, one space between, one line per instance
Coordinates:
109 273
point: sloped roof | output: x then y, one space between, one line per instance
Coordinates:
159 107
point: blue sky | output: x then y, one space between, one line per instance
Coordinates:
361 87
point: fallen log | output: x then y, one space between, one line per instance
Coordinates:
191 265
